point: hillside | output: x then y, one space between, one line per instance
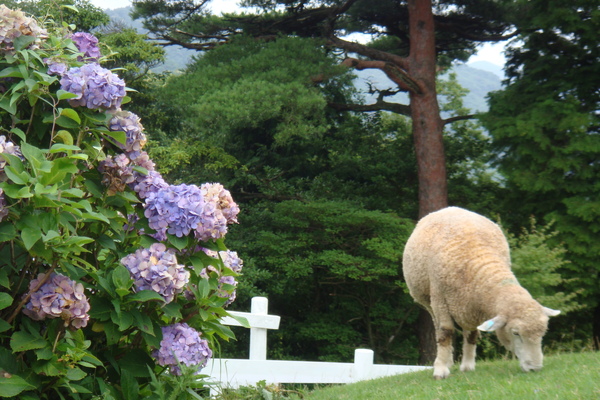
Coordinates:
479 78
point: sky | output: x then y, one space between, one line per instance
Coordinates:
490 52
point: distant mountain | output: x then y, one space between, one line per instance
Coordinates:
480 77
488 66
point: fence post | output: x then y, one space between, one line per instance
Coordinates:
258 336
363 363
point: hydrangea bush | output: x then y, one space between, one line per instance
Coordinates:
113 281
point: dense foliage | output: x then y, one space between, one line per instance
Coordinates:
545 126
112 281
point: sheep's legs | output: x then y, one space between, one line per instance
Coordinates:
443 360
468 350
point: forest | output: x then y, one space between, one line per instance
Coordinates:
331 178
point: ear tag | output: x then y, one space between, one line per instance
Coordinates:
490 324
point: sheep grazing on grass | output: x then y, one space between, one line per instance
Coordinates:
457 265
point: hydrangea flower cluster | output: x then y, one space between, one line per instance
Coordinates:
56 67
13 24
87 44
7 147
156 269
95 87
129 123
58 297
175 209
181 344
232 260
117 173
219 210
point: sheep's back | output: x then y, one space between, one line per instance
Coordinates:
455 252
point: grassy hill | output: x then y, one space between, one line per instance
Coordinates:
569 376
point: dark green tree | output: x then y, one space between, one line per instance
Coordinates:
546 126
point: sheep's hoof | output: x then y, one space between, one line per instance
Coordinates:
467 367
441 373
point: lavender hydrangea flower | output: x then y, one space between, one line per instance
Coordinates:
58 297
181 344
156 269
56 67
8 147
87 44
219 210
215 192
175 208
232 260
153 182
117 174
14 23
95 87
130 124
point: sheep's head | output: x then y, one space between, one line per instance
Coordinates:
522 335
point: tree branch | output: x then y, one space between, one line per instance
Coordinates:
367 51
458 118
377 106
396 74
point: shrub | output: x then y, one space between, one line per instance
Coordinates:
112 281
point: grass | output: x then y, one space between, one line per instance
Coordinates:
567 376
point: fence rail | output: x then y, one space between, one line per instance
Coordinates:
233 373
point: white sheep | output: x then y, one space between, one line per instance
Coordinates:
457 265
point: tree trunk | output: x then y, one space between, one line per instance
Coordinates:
427 133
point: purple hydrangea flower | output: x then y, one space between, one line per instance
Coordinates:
95 87
58 297
175 208
130 124
55 67
87 44
232 260
117 174
219 210
8 147
14 23
215 192
156 269
151 183
181 344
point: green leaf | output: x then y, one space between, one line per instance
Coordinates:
64 95
4 326
7 232
122 278
30 236
119 136
34 155
143 296
75 374
70 113
65 136
23 341
20 178
6 104
11 72
5 300
63 148
179 243
14 385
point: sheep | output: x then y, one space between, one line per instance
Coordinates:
456 264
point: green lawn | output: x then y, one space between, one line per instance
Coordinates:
564 376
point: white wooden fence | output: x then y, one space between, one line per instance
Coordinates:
232 373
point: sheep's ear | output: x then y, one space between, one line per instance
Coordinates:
550 312
492 324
